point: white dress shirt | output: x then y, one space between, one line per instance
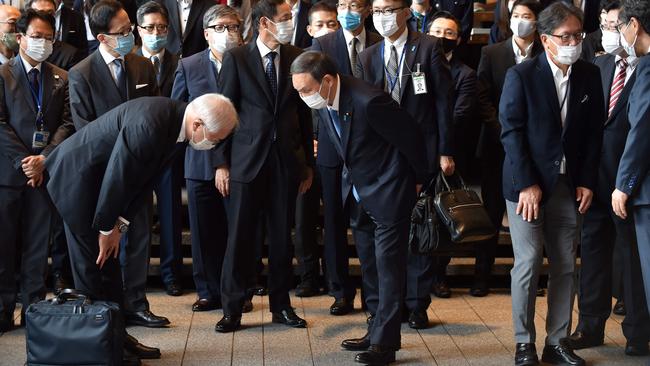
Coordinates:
399 44
108 59
295 9
361 45
215 62
184 7
89 33
265 51
631 66
519 57
562 89
29 67
57 22
148 55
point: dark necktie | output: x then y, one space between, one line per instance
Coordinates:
120 78
336 122
156 65
617 85
392 86
33 81
354 57
271 75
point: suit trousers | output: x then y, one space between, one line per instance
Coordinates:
602 230
306 244
209 233
273 192
382 252
555 230
59 249
420 271
25 229
335 234
642 228
168 198
134 259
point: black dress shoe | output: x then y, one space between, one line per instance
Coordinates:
582 340
356 344
479 289
140 350
129 359
307 290
526 354
247 307
540 292
173 288
6 323
60 283
289 318
206 305
341 307
619 308
418 319
561 355
441 290
229 323
259 290
375 355
637 349
146 319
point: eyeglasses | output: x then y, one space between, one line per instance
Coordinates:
621 25
159 27
610 28
123 32
38 36
219 28
10 22
441 32
354 6
566 38
387 11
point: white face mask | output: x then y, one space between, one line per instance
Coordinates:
38 49
522 28
316 101
204 144
567 55
629 48
386 25
284 31
418 1
222 42
323 31
611 42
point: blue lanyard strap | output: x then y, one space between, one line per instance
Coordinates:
392 79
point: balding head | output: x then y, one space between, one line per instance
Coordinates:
8 12
8 17
210 116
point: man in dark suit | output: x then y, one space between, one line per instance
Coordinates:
185 36
197 75
34 119
266 161
107 78
300 20
423 11
382 159
551 137
602 229
632 184
447 28
64 55
8 43
72 28
344 47
495 61
101 177
153 25
412 68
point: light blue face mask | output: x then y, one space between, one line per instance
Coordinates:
154 42
350 20
124 44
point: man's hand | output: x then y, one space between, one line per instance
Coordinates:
306 184
108 245
584 196
33 165
35 181
528 206
418 189
315 148
447 165
222 180
619 200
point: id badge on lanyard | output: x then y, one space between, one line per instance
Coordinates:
419 81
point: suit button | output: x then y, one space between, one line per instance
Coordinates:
557 163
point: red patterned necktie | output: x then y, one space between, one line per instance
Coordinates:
617 85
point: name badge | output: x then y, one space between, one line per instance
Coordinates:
40 139
419 81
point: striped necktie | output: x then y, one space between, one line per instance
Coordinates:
617 85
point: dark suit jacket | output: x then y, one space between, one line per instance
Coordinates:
333 44
303 39
632 177
532 133
465 96
168 66
64 55
192 41
18 116
616 129
93 91
495 61
263 119
196 76
381 157
73 30
108 168
592 46
433 110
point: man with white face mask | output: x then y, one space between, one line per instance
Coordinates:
322 20
266 162
8 43
551 114
29 130
206 186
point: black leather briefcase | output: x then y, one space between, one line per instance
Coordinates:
423 234
461 211
72 330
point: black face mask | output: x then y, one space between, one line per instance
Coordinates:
448 45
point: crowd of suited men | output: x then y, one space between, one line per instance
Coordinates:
543 122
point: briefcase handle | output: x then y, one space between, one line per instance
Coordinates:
71 294
442 177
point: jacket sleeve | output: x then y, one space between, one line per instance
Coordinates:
466 96
442 95
229 81
81 104
11 146
180 90
593 134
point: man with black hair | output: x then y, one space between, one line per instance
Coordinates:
265 163
594 44
64 55
423 13
34 119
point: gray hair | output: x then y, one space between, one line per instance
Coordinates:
218 11
639 9
555 15
216 111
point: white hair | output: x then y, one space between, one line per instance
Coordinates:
216 111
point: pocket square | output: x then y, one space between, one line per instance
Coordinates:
140 86
585 98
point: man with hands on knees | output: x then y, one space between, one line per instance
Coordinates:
552 115
101 175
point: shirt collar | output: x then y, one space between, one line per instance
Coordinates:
29 67
556 71
336 101
214 60
400 41
185 3
148 55
348 36
181 135
108 58
517 51
630 63
265 50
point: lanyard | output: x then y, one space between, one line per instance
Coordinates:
392 81
424 24
38 97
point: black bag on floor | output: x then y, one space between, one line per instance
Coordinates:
70 329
